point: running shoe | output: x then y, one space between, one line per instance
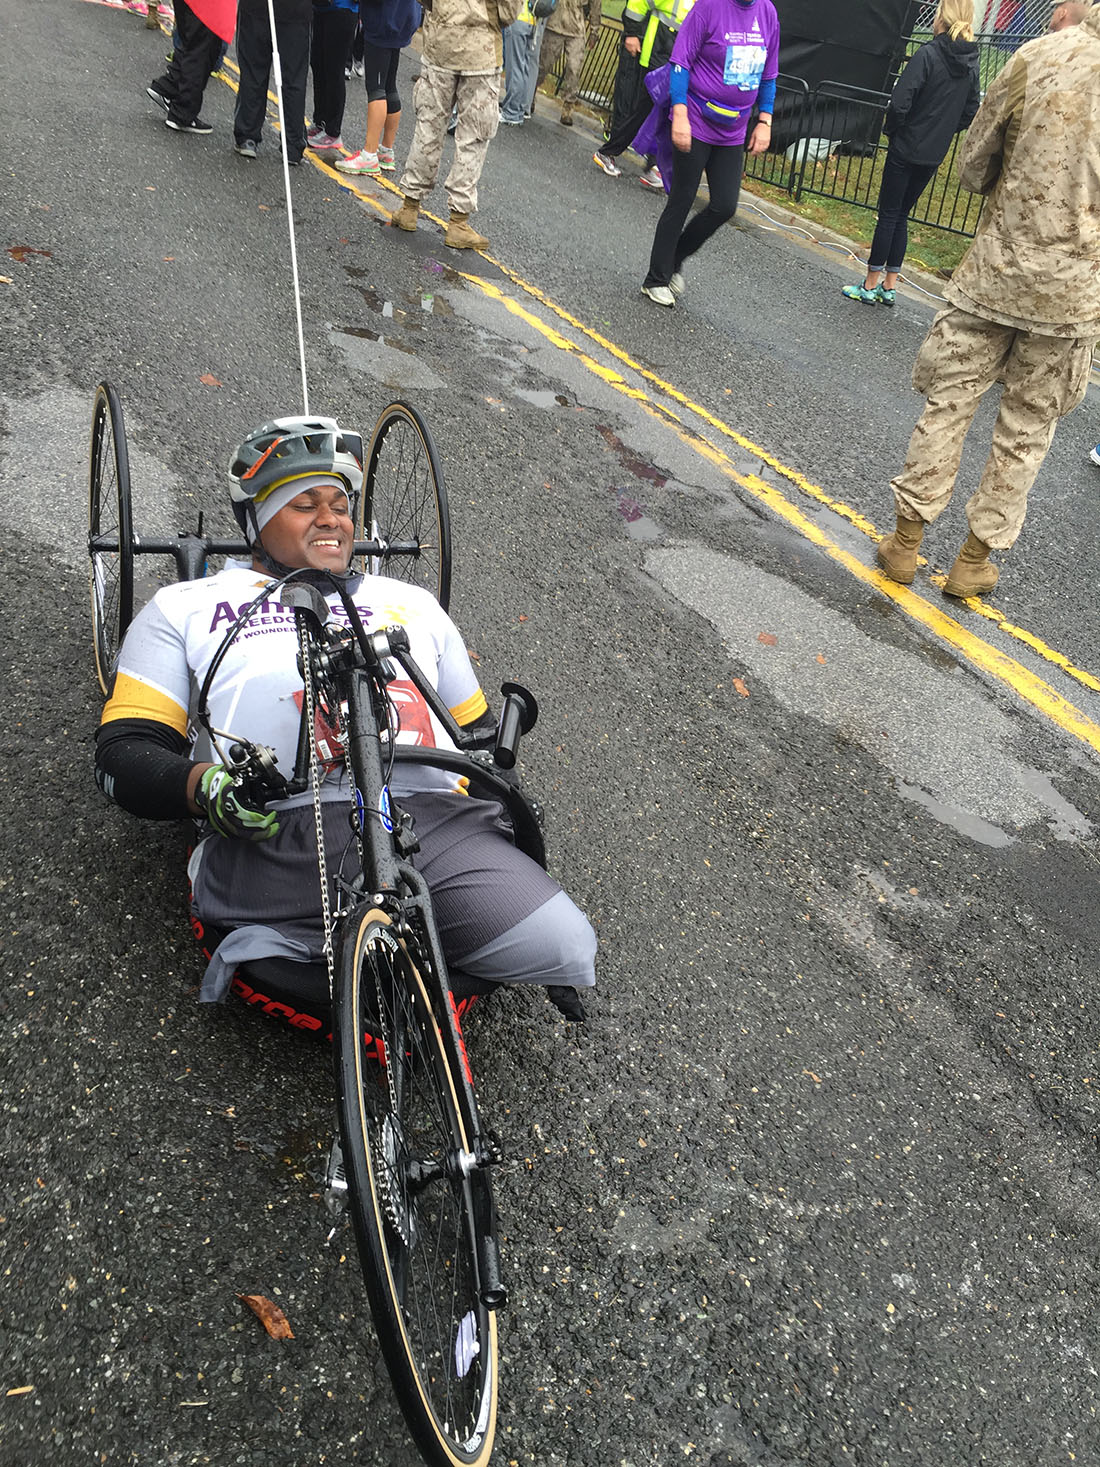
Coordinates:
246 149
676 283
883 296
1095 454
322 143
313 131
858 293
361 162
651 178
607 163
660 295
386 160
198 125
158 96
357 68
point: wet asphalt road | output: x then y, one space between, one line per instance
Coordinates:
816 1182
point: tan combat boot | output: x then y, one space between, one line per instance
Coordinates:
462 236
897 554
566 118
972 574
407 215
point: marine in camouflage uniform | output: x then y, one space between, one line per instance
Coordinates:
573 29
461 66
1024 303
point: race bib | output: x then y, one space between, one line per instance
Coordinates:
744 67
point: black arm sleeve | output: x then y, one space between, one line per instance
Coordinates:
143 766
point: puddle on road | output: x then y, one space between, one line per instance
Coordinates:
974 826
638 525
366 334
423 302
437 267
641 468
541 399
902 707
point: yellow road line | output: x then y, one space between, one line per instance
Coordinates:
807 486
997 664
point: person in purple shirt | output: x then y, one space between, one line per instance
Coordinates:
724 64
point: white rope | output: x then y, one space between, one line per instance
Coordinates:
277 71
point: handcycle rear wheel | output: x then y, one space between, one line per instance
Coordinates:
405 502
411 1200
110 533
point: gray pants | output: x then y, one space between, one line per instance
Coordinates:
436 92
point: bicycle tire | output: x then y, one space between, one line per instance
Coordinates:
405 501
412 1208
110 520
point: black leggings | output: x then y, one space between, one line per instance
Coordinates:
380 74
672 243
332 32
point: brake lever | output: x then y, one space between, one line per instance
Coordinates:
255 766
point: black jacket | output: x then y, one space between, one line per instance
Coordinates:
936 96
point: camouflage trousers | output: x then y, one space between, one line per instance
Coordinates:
435 93
962 356
552 47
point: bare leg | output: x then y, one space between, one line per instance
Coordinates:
376 119
389 131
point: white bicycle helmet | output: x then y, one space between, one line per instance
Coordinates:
287 448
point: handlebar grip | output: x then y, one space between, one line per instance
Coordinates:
518 716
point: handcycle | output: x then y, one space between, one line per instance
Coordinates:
413 1158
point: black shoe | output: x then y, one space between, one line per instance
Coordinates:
247 148
197 125
567 1001
153 91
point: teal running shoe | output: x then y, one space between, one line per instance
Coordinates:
857 293
883 296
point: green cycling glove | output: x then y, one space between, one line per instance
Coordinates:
218 796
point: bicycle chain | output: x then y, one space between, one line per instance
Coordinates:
309 709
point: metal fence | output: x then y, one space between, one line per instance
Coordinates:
827 140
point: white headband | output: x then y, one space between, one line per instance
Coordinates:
280 496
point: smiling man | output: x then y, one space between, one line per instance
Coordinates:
294 483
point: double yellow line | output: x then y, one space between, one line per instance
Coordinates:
981 654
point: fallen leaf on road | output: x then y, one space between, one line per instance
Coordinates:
471 653
266 208
821 658
169 259
20 1390
768 638
150 188
815 1078
741 688
523 618
209 380
5 280
270 1316
20 252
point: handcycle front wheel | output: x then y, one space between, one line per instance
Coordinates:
110 533
404 503
411 1197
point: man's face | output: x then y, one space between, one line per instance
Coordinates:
1063 16
314 531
